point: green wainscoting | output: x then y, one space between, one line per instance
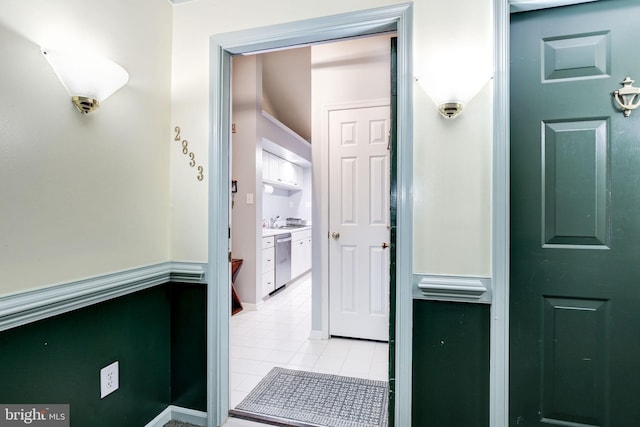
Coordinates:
189 346
58 360
450 364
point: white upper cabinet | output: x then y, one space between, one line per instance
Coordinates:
279 172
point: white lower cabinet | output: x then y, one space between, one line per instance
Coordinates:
300 252
268 266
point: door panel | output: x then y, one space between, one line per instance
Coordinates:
575 177
574 360
575 218
359 213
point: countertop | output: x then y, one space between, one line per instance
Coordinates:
268 232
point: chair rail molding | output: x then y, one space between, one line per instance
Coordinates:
30 306
453 288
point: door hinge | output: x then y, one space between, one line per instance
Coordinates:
229 256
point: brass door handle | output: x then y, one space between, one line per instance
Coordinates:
385 245
335 235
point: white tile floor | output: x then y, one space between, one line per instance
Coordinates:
277 334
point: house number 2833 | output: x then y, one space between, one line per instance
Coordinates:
190 154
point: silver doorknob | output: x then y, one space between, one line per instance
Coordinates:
335 235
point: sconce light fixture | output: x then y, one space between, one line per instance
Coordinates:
451 98
450 109
453 76
89 79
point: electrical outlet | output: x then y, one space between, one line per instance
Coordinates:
249 198
109 381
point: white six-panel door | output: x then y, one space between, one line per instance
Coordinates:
359 223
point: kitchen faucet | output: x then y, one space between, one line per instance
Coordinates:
272 221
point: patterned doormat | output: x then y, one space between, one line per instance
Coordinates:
313 399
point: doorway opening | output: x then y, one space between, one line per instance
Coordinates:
274 329
395 18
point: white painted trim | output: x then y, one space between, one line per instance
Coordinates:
404 222
454 288
323 230
398 17
316 335
218 308
188 272
499 341
250 306
178 413
528 5
284 128
26 307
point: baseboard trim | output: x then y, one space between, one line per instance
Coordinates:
178 413
26 307
315 335
250 307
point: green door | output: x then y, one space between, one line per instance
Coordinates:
575 218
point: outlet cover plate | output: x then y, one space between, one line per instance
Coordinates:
109 379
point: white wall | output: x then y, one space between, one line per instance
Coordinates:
442 146
246 146
81 196
452 158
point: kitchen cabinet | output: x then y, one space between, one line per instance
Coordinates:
300 252
270 167
281 173
268 265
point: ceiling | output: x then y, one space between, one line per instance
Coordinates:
286 88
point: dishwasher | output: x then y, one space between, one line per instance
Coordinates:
283 259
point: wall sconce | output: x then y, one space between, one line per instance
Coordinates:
451 99
450 109
453 75
89 79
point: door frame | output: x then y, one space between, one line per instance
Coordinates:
499 352
398 18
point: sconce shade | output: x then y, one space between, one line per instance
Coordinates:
89 79
453 76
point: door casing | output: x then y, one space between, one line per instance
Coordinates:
397 18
